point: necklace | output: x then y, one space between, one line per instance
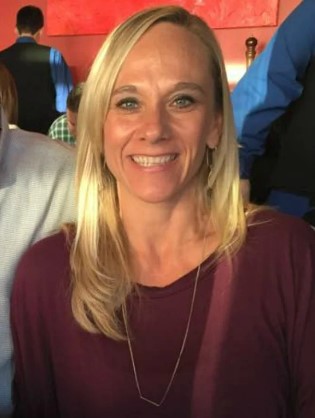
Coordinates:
144 398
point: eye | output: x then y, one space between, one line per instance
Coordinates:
128 103
184 101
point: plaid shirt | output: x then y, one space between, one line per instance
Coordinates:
59 130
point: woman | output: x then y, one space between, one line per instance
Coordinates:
167 298
8 95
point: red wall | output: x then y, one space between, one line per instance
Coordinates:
79 51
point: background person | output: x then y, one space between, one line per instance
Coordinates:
8 95
42 77
36 196
196 308
278 155
64 128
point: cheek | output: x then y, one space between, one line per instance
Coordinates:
113 144
107 140
197 135
213 138
117 132
207 132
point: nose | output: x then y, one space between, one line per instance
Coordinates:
155 125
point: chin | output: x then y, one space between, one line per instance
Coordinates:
158 197
154 199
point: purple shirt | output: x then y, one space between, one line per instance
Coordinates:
249 353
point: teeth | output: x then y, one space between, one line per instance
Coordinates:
149 161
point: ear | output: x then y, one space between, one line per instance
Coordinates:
16 32
215 133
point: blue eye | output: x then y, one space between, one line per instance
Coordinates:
128 103
184 101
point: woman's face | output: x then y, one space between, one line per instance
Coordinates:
161 117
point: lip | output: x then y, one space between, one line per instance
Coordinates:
153 161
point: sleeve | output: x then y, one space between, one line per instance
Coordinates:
300 313
272 82
62 79
33 387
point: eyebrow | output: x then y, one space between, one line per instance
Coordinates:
182 85
128 88
188 85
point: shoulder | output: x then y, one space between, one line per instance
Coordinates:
37 166
45 261
38 46
56 56
55 245
272 219
42 281
303 14
276 232
39 151
303 8
41 172
60 121
6 50
278 253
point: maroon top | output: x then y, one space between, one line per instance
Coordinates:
249 354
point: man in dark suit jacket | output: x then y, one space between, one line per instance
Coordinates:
42 77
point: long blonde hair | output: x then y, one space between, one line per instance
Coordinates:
101 268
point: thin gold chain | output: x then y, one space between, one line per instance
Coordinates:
144 398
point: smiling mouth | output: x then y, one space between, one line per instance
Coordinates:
150 161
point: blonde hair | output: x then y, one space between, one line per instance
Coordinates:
8 95
101 270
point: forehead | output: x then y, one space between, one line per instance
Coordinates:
168 45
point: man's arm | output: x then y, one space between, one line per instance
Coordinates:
62 79
272 82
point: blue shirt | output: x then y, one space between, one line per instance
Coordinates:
272 82
60 73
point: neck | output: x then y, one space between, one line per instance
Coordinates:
35 36
159 224
166 240
26 35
